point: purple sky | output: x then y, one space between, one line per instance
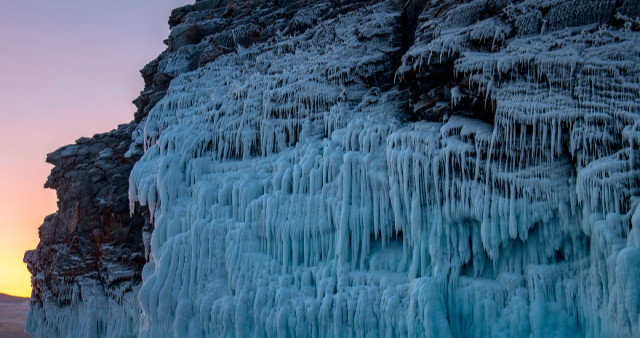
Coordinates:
67 69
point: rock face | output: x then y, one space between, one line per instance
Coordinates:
382 168
91 253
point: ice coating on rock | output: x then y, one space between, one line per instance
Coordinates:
293 199
323 170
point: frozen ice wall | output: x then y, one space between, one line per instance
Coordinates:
350 177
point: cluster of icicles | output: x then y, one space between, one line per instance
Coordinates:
293 201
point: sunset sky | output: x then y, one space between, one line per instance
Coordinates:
67 69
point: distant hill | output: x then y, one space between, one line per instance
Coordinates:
4 298
13 313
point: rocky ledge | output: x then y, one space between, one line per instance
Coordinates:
93 245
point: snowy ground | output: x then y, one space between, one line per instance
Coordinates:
13 313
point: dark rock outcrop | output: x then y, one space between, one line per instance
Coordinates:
208 29
92 245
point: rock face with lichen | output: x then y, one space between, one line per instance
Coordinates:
353 168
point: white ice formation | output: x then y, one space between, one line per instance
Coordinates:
292 199
294 195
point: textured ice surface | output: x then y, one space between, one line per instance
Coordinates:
95 315
292 198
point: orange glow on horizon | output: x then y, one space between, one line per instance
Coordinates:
18 220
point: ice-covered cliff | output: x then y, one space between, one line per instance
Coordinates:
389 168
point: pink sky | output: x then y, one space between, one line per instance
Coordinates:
67 69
